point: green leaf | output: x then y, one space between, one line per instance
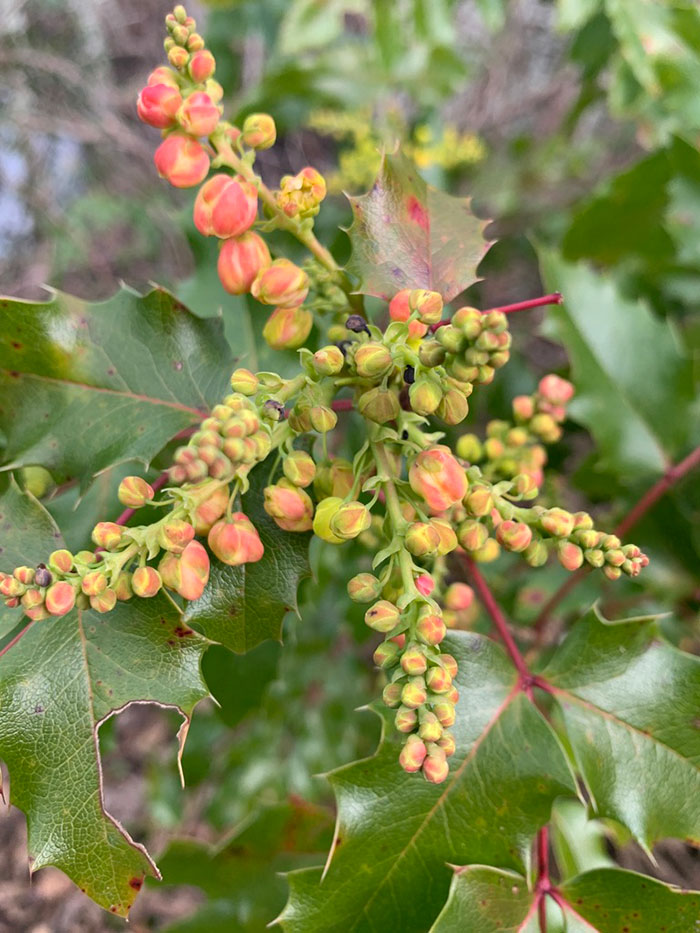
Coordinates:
629 704
605 900
395 832
243 606
407 234
634 390
69 369
58 683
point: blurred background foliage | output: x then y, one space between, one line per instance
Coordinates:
575 125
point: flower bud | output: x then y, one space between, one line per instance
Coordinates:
60 598
146 582
105 602
430 628
438 478
445 711
241 260
413 661
299 468
406 719
414 693
182 161
373 360
422 539
379 405
322 419
202 66
453 407
328 361
425 395
570 555
435 768
281 283
412 754
289 506
459 596
157 105
175 535
514 536
61 561
198 115
236 542
226 207
107 535
134 492
122 587
428 305
557 522
325 512
93 583
350 520
386 655
288 328
469 321
383 616
400 311
194 571
259 131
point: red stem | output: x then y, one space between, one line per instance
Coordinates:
649 499
554 299
499 621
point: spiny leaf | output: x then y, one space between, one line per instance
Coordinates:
407 234
638 403
123 375
630 704
243 606
604 900
58 683
395 832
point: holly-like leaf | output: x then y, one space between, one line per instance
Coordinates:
407 234
629 703
58 683
634 390
243 606
123 375
605 900
396 833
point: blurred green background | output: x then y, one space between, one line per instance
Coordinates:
575 126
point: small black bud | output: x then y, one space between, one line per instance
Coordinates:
357 324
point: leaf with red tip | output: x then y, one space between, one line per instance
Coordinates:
407 234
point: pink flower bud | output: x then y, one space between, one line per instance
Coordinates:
157 105
182 161
570 555
236 542
226 207
400 311
282 284
288 328
383 616
422 539
430 628
146 582
406 718
289 506
514 536
259 131
60 598
555 390
435 768
201 66
175 535
459 596
107 535
438 680
438 478
242 259
134 492
425 584
198 115
412 754
414 693
413 661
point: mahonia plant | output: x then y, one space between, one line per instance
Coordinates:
406 493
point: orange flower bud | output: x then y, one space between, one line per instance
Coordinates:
182 161
226 207
438 478
383 616
459 596
60 598
289 506
134 492
157 105
412 754
282 284
288 328
146 582
198 115
236 542
259 131
107 535
400 311
201 66
241 260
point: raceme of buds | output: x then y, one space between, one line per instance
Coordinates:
288 328
236 541
241 259
438 478
227 207
198 115
158 104
289 506
282 284
259 131
182 161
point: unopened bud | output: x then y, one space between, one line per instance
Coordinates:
259 131
236 541
379 405
412 754
182 161
288 328
241 260
383 616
